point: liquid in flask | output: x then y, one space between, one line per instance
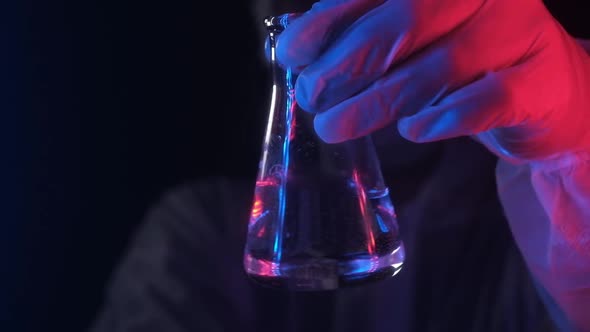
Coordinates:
321 217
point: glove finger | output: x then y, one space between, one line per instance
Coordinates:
416 84
486 104
372 45
307 36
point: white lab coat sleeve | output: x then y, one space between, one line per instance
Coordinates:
547 205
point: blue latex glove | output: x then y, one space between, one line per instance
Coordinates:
503 71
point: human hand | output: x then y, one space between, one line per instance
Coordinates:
501 71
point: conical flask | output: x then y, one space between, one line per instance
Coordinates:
321 216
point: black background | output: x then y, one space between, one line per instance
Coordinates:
110 104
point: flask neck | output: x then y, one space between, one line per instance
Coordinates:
275 25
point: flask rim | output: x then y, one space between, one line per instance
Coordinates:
277 23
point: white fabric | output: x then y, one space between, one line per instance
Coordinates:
548 208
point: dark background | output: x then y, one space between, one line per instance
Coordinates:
110 104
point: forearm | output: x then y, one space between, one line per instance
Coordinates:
548 208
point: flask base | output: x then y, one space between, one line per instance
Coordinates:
323 274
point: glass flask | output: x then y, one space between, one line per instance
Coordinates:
321 216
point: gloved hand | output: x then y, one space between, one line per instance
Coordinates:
502 71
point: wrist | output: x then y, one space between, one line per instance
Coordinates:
562 160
